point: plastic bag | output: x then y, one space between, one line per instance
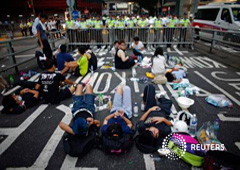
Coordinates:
219 100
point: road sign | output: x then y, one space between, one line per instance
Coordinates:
75 14
70 3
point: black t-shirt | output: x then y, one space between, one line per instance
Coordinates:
49 83
28 101
162 127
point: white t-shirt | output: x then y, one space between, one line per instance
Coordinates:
34 29
139 46
159 63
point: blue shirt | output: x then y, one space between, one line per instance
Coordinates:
43 34
126 129
180 74
62 58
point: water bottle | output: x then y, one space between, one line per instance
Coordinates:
193 125
216 127
113 67
135 110
92 70
100 98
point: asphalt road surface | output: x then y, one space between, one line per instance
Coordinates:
33 139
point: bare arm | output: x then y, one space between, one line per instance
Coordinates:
145 115
66 128
39 38
108 118
67 81
127 121
71 64
122 56
158 120
34 92
97 123
37 87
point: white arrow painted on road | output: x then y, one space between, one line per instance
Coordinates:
149 162
222 117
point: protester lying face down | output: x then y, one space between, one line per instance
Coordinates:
49 82
83 113
154 125
17 104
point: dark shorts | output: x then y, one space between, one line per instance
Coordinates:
77 72
62 95
84 102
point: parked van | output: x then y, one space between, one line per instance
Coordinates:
220 16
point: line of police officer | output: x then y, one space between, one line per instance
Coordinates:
123 23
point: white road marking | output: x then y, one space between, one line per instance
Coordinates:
123 80
93 79
237 93
25 55
235 85
222 117
176 49
68 76
135 83
107 85
1 107
149 162
219 88
200 59
17 131
237 144
169 51
204 94
214 75
215 63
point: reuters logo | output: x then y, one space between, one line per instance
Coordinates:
170 141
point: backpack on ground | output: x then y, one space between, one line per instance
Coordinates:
192 157
79 146
120 146
216 160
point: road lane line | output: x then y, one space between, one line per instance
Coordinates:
214 75
149 162
176 49
219 88
19 130
107 83
222 117
135 83
237 144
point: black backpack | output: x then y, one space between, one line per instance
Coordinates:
79 146
145 148
41 60
92 62
120 146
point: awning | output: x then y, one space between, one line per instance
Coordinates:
169 4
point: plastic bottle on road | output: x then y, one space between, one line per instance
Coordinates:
100 98
193 125
216 127
135 110
113 66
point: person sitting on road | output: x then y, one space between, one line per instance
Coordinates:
80 67
92 60
137 47
115 48
176 76
118 123
83 113
17 104
121 60
49 82
154 125
63 57
159 62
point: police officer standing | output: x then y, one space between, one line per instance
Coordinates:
98 28
184 23
29 24
158 26
23 28
170 30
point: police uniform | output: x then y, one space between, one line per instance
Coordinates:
84 31
29 24
23 29
184 24
98 29
131 31
120 29
170 31
157 25
143 30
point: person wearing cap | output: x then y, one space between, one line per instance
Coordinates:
154 124
83 112
29 25
83 30
184 23
118 123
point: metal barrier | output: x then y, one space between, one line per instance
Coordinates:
217 38
149 36
19 51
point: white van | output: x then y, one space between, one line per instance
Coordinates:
221 16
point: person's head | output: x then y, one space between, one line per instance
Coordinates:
185 15
114 131
158 51
50 65
63 48
11 101
80 127
78 19
136 40
122 45
116 44
149 136
68 17
170 77
81 50
82 19
97 17
43 18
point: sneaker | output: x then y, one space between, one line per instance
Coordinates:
161 94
